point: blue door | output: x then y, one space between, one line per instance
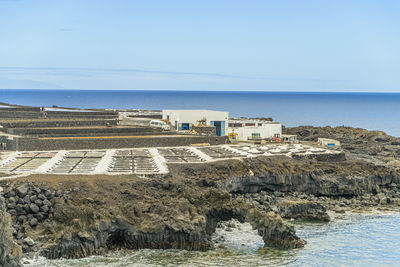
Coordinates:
185 126
218 129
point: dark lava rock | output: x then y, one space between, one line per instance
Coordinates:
39 202
47 193
39 216
12 212
21 219
36 190
22 190
34 208
10 252
33 198
33 222
47 203
11 205
10 193
27 208
20 209
44 208
303 209
27 199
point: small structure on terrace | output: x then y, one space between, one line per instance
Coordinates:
328 142
186 119
243 129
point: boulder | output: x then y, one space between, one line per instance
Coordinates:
33 222
20 209
39 202
28 241
302 209
27 199
39 216
44 208
47 203
34 208
21 219
22 191
33 198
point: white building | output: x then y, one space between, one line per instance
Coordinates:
185 119
253 129
328 142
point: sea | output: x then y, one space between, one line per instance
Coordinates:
372 111
348 240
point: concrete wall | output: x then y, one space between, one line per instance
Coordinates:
194 116
265 131
29 144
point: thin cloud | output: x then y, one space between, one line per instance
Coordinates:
69 70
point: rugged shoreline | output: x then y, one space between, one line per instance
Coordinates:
85 216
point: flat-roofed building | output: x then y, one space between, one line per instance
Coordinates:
328 142
254 129
185 119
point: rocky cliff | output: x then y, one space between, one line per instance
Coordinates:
370 145
10 252
79 216
175 211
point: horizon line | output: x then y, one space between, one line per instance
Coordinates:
208 90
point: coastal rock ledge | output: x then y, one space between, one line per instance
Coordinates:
10 252
181 209
92 215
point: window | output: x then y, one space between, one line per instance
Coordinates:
255 136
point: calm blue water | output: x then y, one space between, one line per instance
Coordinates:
373 111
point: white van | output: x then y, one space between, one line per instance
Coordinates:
160 124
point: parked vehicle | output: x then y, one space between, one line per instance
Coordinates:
160 124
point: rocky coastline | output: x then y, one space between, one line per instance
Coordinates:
78 216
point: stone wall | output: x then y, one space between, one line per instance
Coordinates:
205 130
29 144
10 143
82 131
321 157
19 114
37 109
57 123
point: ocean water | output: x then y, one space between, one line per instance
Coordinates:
373 111
348 240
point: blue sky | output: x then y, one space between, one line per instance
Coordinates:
263 45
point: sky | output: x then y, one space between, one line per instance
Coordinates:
265 45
